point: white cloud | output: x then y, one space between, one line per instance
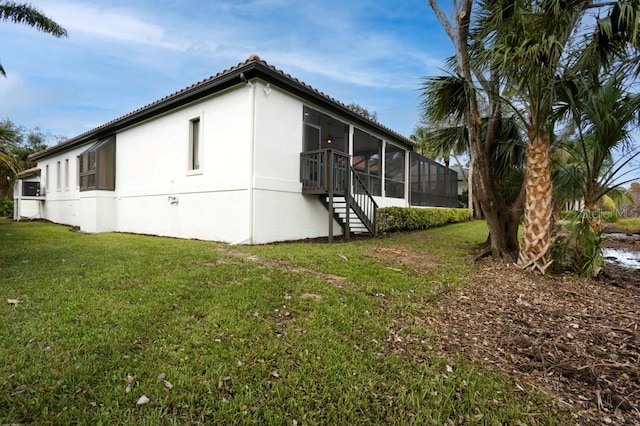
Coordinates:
145 49
339 48
115 24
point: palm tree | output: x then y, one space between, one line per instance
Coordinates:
20 13
460 98
604 117
23 13
9 164
444 103
532 43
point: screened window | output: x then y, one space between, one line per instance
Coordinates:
367 154
322 131
194 144
394 171
97 166
432 184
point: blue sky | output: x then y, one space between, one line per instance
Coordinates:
121 55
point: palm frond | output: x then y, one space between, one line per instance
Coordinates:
9 163
446 141
445 98
605 115
22 13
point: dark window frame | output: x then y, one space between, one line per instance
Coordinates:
97 166
332 132
366 162
394 180
195 145
195 135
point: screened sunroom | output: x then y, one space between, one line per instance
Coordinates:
384 166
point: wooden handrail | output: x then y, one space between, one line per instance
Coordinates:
329 172
363 203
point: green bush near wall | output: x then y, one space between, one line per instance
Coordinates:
409 218
6 207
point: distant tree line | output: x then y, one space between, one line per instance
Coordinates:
16 144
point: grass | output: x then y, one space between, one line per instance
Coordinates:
245 335
624 225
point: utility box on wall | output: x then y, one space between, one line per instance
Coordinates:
30 189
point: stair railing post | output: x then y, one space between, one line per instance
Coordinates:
347 195
329 180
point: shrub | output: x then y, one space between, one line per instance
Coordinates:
569 214
606 203
607 216
6 206
411 218
587 245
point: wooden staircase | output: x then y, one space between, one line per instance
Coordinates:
356 226
329 174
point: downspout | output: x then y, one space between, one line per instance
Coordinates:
250 190
252 164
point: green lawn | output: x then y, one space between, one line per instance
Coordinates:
297 333
626 225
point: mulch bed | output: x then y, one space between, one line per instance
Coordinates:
577 340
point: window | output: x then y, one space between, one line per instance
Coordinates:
432 184
195 144
66 174
97 166
394 171
322 131
46 178
58 176
366 160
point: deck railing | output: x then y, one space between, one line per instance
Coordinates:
363 201
323 171
328 172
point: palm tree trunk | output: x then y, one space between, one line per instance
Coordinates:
470 197
534 251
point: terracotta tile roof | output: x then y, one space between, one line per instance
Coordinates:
29 172
254 66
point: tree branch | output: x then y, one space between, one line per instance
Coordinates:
484 83
443 20
597 5
566 132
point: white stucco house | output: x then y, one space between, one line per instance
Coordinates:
250 155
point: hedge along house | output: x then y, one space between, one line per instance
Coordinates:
250 155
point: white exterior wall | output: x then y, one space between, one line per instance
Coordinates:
157 194
92 211
391 202
25 207
61 202
281 211
247 190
